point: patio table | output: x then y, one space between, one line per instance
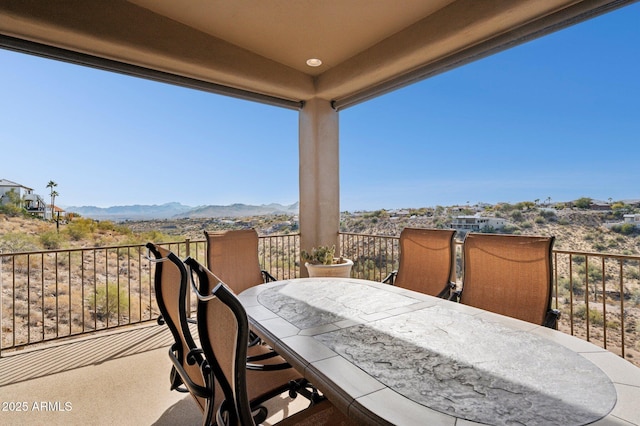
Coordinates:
387 355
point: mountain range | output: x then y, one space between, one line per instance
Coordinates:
179 211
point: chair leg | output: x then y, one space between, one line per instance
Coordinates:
306 389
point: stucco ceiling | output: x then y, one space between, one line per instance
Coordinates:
260 48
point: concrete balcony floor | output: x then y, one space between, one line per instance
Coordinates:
110 378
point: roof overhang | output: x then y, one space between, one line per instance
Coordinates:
257 49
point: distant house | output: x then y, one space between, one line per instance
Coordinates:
632 218
477 223
58 213
599 205
31 201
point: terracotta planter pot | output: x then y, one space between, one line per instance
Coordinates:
340 270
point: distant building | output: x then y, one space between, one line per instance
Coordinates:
477 223
632 218
599 205
31 201
58 213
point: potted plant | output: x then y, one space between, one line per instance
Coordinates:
322 263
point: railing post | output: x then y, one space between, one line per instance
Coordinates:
187 243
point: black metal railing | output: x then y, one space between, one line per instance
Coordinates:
48 295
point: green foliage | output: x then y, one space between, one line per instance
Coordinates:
599 247
17 242
624 229
322 255
505 207
509 229
11 205
50 240
583 203
539 220
525 205
595 316
378 213
12 210
105 303
548 214
517 216
81 228
594 271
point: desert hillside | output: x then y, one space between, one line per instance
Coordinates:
577 230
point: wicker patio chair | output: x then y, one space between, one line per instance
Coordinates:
427 259
510 275
224 329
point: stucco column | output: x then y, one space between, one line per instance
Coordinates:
319 176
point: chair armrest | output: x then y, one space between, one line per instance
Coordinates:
193 388
260 357
390 278
267 277
551 320
268 367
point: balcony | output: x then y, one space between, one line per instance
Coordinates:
79 334
53 295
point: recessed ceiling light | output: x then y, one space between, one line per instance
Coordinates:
314 62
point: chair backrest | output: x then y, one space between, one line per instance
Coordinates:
508 274
223 327
233 257
427 257
171 284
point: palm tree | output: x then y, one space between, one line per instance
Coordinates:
53 194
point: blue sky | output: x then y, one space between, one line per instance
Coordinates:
558 117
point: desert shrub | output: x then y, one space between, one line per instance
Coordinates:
624 229
107 299
526 225
17 242
12 210
155 236
595 316
105 225
80 228
594 271
50 240
509 229
583 203
539 220
548 214
517 216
